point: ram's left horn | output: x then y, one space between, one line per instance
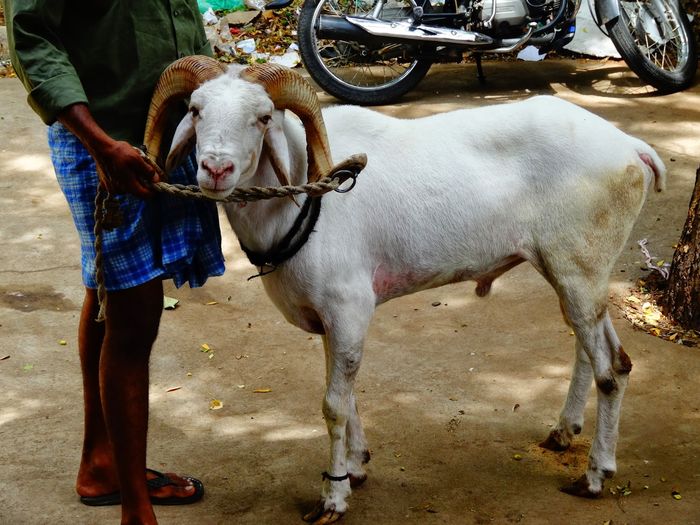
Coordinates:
176 83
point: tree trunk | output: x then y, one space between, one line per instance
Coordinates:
682 300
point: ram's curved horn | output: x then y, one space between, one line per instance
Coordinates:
176 83
288 90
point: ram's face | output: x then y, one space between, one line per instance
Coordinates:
229 117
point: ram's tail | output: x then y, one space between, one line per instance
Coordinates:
651 159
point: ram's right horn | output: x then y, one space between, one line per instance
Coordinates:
288 90
176 83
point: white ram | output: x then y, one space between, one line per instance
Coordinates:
463 195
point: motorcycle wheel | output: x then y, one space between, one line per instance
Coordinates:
658 47
352 71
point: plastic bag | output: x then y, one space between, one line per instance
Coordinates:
256 4
218 5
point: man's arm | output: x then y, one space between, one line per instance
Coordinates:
39 58
56 91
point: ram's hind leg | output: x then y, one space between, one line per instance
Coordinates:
357 451
611 367
571 417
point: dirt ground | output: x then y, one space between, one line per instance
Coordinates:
449 394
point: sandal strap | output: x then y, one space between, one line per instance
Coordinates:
161 480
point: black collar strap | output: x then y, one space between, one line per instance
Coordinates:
291 243
327 476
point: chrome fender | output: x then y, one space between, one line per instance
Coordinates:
606 11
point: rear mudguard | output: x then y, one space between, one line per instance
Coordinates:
606 11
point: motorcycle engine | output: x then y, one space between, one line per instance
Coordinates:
512 15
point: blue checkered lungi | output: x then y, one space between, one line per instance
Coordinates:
164 237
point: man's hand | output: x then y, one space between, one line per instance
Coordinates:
120 167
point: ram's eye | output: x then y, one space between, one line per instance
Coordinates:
194 111
265 119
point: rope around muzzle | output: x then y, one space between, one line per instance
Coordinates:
108 216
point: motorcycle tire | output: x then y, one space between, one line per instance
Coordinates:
354 72
662 50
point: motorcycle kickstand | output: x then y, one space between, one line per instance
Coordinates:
479 70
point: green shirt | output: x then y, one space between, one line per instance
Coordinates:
106 53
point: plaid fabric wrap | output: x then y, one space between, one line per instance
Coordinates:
164 237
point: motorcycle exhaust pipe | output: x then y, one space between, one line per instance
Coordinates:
369 30
338 28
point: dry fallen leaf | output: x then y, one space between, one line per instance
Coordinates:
427 507
517 457
211 303
205 348
262 390
216 404
651 314
169 303
62 342
676 495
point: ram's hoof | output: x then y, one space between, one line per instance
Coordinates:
556 441
581 488
356 481
322 516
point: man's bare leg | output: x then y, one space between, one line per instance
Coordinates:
114 361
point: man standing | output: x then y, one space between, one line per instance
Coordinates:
90 67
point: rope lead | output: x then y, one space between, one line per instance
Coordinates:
108 215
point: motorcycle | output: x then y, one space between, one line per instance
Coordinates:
372 52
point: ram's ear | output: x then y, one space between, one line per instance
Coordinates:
184 141
275 145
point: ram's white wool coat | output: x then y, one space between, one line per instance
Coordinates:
463 195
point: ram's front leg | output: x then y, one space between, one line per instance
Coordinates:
343 344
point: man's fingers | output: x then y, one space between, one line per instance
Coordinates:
139 189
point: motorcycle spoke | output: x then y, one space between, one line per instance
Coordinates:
357 64
662 50
366 70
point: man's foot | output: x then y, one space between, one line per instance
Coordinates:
164 489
